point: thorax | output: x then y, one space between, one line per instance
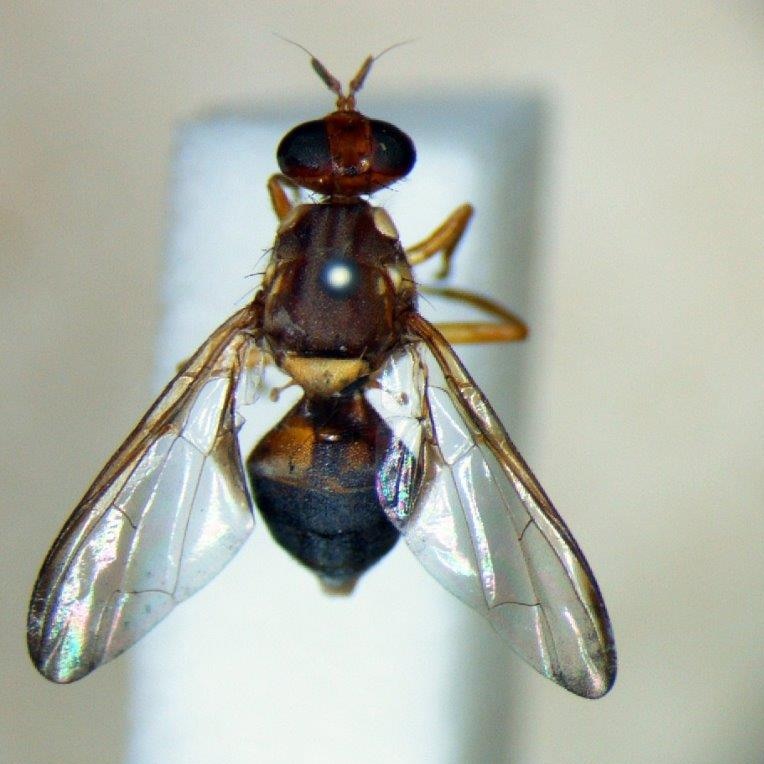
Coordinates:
336 289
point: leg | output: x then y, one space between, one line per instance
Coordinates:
509 328
280 201
443 239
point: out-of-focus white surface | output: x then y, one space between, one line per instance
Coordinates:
263 636
643 399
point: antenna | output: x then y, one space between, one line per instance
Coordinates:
345 102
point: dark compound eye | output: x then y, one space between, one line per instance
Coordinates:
304 150
346 153
393 152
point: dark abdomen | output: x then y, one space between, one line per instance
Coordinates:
315 480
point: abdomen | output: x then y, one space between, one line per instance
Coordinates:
315 480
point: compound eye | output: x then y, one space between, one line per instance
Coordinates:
304 154
393 152
345 153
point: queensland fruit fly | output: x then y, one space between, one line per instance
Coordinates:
390 438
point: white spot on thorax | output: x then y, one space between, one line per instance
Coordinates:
339 276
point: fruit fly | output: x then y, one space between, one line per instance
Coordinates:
390 438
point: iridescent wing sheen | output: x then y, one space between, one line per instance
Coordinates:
165 515
479 521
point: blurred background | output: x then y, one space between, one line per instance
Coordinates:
641 402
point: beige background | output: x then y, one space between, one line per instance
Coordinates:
646 364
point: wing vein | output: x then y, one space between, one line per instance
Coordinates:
484 526
115 569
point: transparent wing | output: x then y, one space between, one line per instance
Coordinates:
164 516
480 522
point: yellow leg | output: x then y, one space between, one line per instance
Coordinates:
443 239
280 201
509 328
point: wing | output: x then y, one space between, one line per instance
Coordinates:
480 522
165 515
